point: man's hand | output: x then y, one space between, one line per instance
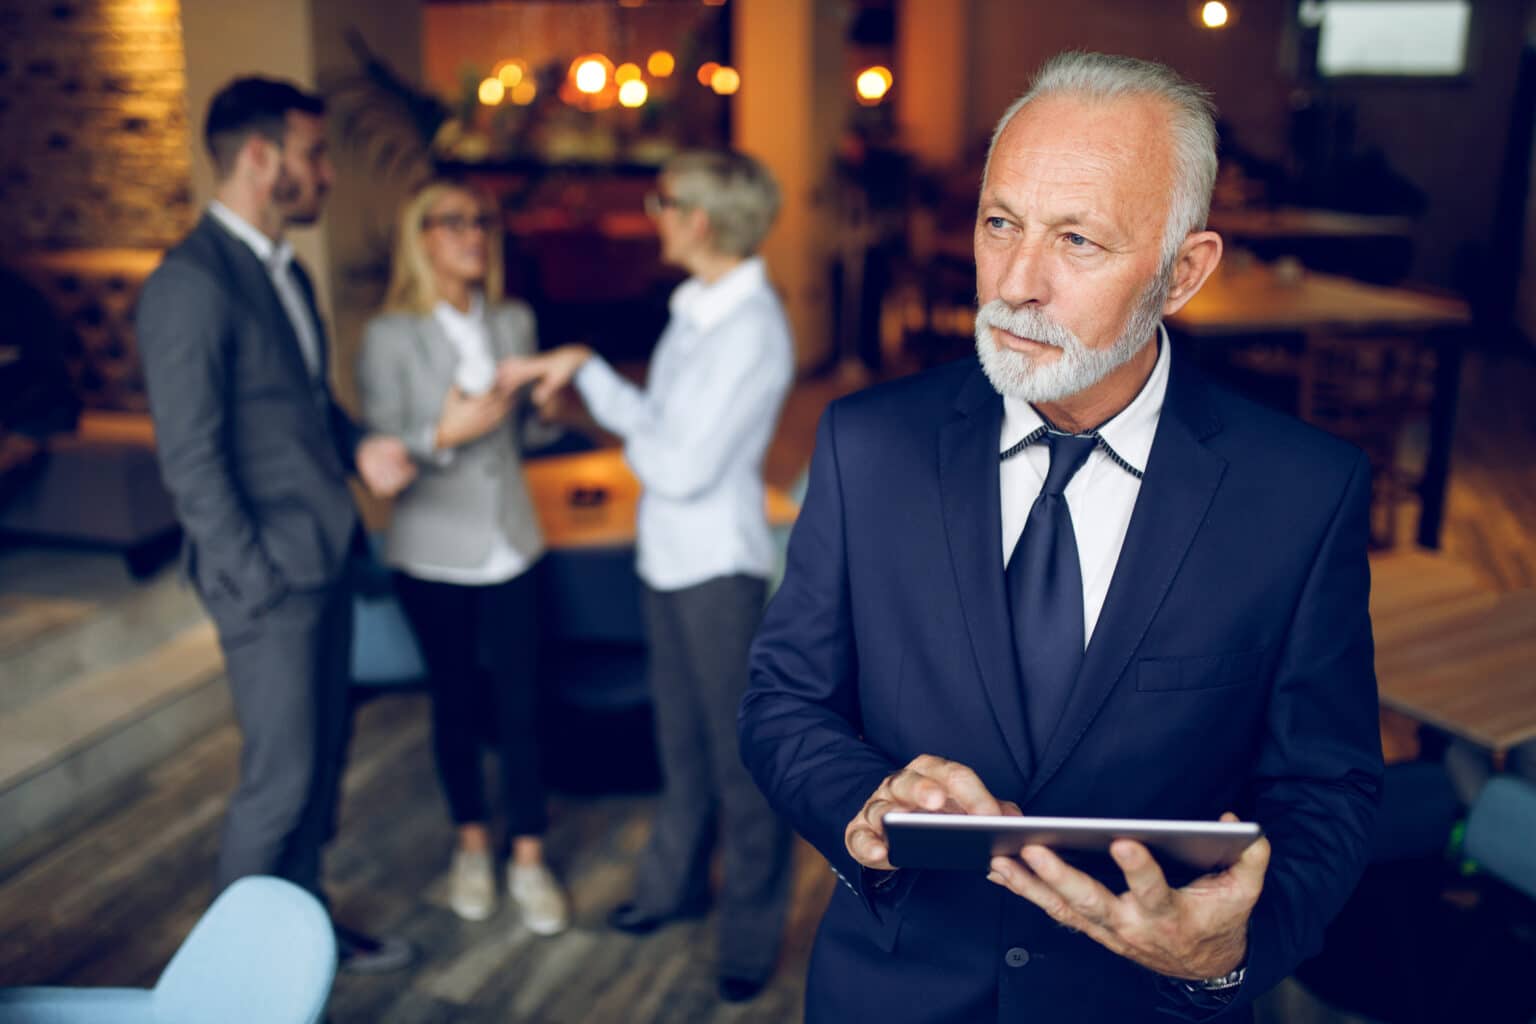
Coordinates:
384 465
467 417
929 783
1199 931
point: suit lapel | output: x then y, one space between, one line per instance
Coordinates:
968 482
1180 482
254 285
308 288
436 350
499 333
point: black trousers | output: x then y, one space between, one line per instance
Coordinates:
480 646
288 674
699 638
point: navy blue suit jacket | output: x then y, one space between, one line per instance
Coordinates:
1231 669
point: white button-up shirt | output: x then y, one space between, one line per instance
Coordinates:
277 257
1102 494
470 335
696 436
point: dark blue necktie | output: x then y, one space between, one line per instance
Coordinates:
1045 592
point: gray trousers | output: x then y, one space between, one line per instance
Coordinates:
288 672
699 638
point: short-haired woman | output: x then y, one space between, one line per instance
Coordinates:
464 538
696 437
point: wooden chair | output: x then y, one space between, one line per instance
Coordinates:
1368 390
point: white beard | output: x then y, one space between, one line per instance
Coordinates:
1079 368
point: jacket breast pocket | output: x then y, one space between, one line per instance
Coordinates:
1200 672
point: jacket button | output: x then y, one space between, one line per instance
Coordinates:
1018 956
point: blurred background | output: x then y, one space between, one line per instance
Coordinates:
1379 280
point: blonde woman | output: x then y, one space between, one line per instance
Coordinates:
464 539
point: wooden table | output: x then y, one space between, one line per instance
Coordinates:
1298 222
1453 653
589 500
1250 298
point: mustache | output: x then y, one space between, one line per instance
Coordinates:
1025 322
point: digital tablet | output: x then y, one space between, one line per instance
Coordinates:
967 842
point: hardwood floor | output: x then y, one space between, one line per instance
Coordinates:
111 898
110 905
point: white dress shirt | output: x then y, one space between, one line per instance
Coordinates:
277 257
470 334
696 436
1102 494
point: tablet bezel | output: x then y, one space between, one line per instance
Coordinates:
952 841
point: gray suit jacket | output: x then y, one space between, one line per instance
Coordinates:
255 454
450 515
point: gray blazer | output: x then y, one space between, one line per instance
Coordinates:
449 516
255 453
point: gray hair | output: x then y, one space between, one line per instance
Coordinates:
1099 76
736 192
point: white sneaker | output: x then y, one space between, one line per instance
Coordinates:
539 898
472 886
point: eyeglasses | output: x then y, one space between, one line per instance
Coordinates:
458 223
655 202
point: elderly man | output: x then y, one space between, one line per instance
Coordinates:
1077 579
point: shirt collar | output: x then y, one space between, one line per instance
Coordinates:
1129 433
705 305
273 255
458 320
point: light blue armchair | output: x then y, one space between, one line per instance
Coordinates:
264 953
1501 831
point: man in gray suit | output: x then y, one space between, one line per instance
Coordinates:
256 453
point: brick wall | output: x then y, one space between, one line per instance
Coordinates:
93 118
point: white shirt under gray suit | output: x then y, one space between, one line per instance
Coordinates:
464 537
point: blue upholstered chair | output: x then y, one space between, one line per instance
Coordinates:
1501 832
264 952
384 649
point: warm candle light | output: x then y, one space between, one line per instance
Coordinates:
1214 14
524 92
627 72
633 93
725 81
492 91
661 64
872 84
707 71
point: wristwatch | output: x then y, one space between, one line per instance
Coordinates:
1231 979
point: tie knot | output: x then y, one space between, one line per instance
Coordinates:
1068 453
